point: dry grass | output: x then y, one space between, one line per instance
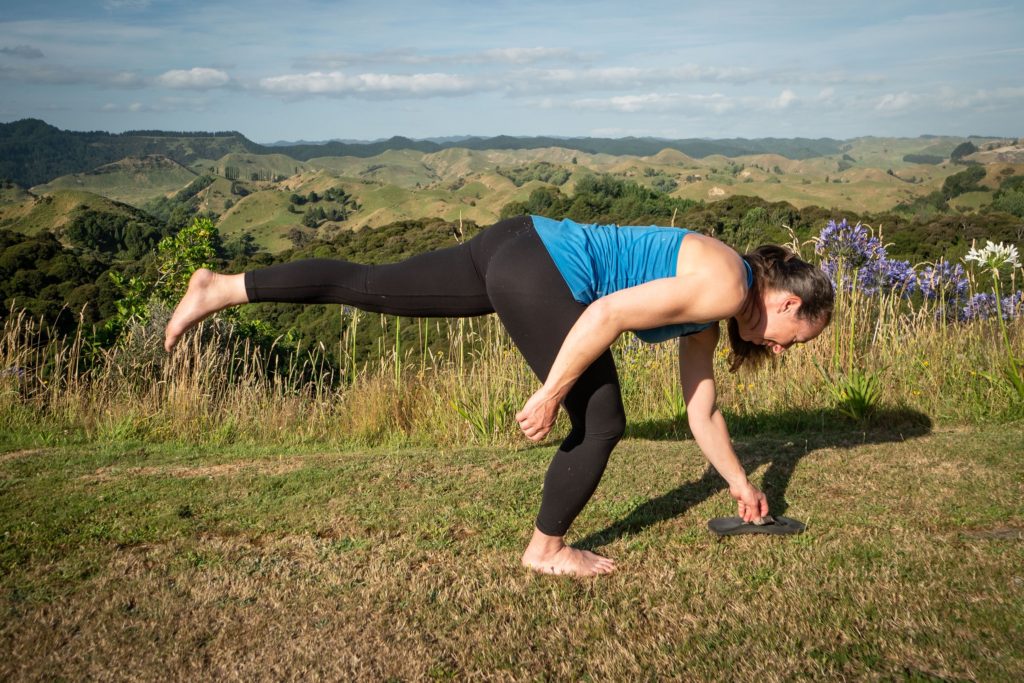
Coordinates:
372 564
218 390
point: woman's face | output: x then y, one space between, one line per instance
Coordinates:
779 327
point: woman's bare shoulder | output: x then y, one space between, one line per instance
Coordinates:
705 257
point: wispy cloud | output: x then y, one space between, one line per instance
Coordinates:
56 75
896 101
340 84
620 78
198 78
161 105
981 98
23 51
682 103
650 103
508 55
117 5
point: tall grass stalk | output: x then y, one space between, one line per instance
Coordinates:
217 388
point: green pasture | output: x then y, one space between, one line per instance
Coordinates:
131 560
36 214
133 182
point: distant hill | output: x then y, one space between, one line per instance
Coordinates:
33 152
794 148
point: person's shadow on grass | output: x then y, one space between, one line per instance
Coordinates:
792 435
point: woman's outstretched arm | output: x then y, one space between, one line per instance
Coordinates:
697 376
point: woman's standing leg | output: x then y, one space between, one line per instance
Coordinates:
538 310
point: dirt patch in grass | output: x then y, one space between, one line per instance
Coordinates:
261 467
25 453
1007 533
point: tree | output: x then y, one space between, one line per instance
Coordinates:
180 255
962 150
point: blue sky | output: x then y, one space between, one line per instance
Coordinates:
316 70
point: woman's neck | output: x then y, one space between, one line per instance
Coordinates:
749 316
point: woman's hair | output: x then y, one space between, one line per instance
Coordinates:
780 269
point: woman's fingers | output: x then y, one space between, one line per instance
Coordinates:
534 419
533 430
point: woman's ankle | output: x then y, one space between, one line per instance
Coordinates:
544 544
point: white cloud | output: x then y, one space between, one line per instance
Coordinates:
708 74
394 85
981 99
624 78
198 78
825 96
126 79
60 75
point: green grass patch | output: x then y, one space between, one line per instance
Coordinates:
154 561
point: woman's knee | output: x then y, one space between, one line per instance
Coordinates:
603 417
610 428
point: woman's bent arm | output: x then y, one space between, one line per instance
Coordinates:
696 374
660 302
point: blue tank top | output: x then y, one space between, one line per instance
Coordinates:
596 260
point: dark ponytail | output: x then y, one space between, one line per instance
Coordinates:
778 268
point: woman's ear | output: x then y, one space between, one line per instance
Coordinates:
791 304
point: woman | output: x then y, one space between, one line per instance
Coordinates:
564 293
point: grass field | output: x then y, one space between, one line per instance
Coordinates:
127 560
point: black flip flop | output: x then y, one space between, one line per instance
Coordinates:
730 526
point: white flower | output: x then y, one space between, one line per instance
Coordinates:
994 256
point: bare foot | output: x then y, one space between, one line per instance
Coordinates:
550 555
570 561
208 292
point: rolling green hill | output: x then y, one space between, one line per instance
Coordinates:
133 181
53 211
251 190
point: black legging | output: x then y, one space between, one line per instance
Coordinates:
505 269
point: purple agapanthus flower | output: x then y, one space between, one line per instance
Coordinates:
854 245
854 248
979 307
1013 305
943 280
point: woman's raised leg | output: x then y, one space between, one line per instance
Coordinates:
443 283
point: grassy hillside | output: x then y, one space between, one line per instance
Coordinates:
263 214
133 181
55 210
251 167
12 194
